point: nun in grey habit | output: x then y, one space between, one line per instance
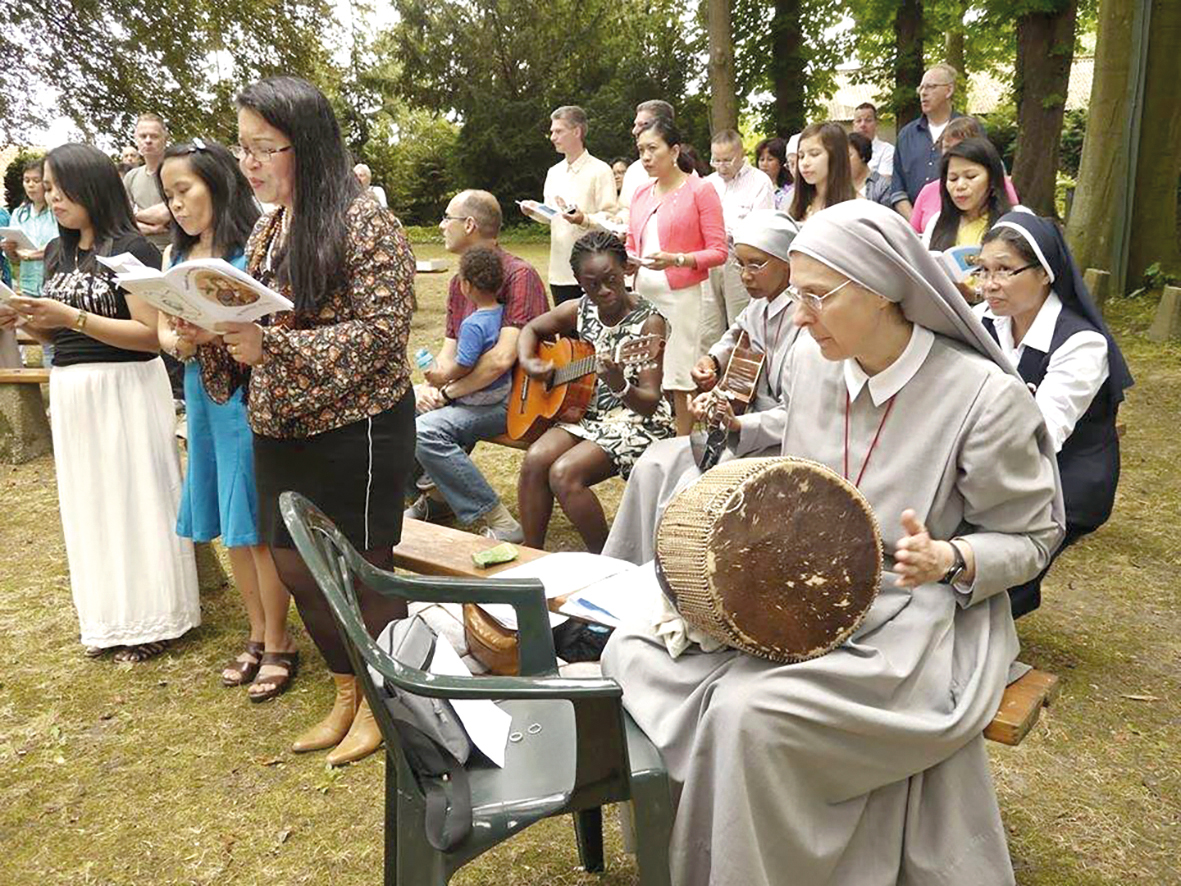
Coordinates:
667 466
867 766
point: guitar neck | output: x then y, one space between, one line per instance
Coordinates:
575 369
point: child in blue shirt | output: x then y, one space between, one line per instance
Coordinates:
480 279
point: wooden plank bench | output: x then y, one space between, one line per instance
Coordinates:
24 428
431 549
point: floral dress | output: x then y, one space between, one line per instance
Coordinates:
621 432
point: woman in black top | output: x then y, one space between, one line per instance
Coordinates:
134 581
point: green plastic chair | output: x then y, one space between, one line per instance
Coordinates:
578 750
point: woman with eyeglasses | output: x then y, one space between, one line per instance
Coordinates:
1039 311
213 212
133 580
329 396
823 177
677 233
761 242
866 764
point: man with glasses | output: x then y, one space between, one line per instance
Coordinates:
917 155
742 188
448 431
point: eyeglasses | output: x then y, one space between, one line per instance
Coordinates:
810 301
750 267
1000 275
718 164
930 87
447 218
262 155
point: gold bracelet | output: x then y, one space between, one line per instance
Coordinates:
80 321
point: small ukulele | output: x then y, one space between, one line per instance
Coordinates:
738 387
535 405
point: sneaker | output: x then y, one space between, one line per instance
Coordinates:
516 535
429 509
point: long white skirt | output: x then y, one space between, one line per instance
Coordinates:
682 309
118 480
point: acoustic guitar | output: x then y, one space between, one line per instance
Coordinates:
534 405
738 387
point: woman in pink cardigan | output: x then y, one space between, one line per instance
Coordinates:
676 230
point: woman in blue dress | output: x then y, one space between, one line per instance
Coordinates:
213 213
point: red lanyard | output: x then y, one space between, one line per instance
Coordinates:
767 343
872 446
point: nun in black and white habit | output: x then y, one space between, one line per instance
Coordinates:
762 239
867 766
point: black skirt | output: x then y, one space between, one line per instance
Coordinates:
355 474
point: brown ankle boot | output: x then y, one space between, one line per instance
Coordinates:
329 731
363 739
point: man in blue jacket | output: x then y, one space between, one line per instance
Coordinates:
916 155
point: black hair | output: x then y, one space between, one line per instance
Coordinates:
867 106
982 152
668 133
234 208
622 160
863 146
37 164
596 243
87 176
312 260
482 268
777 148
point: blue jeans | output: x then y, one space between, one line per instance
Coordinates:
445 437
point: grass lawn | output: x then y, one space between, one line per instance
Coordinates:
154 774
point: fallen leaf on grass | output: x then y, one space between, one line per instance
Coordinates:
284 835
269 761
1140 697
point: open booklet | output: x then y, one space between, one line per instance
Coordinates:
204 291
5 294
18 238
959 262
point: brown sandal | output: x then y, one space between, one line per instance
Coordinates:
141 651
278 682
245 670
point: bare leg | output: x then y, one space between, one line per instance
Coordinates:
275 602
242 567
534 497
570 478
684 416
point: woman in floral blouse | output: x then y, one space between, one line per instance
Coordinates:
329 385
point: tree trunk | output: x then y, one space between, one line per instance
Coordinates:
1045 50
908 60
723 106
787 68
1158 171
953 45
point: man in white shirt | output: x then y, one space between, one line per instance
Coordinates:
576 187
365 176
742 189
865 121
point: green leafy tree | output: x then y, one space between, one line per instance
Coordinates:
108 60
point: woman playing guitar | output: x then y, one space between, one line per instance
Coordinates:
625 415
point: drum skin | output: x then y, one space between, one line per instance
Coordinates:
778 557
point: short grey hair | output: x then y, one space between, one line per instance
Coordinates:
573 115
947 71
726 137
484 210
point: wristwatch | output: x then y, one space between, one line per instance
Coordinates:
443 393
958 565
680 260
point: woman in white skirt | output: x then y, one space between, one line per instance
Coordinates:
134 581
677 231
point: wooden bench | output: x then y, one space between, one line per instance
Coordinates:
431 549
24 428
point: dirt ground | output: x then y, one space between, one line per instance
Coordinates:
154 774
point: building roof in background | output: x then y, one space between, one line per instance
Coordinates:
988 91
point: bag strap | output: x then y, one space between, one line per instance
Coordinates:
448 794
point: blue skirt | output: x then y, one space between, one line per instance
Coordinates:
219 497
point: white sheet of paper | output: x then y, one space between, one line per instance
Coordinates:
507 616
628 596
18 238
121 263
487 725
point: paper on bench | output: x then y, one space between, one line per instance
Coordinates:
627 596
562 574
486 724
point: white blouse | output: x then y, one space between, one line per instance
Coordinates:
1076 372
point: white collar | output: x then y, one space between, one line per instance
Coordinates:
1041 331
774 307
894 377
